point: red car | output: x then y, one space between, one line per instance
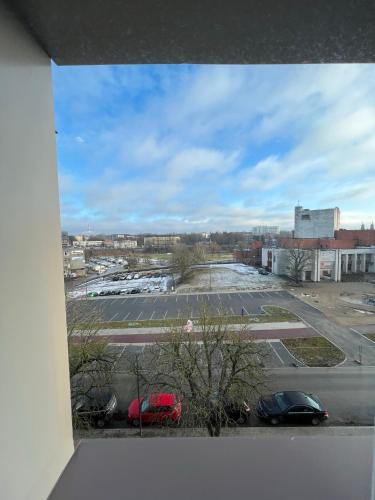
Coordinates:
156 408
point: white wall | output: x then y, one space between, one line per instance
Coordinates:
35 425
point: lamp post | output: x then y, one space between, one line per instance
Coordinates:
138 396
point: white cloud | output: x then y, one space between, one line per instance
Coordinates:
213 148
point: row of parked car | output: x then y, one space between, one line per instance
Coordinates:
103 293
160 408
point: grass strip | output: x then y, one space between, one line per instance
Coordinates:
315 351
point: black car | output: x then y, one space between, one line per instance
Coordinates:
96 407
135 290
291 407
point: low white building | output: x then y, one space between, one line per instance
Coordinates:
329 264
125 243
88 243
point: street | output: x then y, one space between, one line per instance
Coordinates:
347 392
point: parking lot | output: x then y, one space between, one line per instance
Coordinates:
136 308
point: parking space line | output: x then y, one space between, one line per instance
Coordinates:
113 317
123 319
165 315
153 312
231 308
244 308
139 315
123 301
277 354
187 299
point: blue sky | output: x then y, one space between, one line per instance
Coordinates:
213 148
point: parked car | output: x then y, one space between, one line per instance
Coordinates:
157 408
115 278
135 290
263 271
129 277
292 407
136 277
97 406
92 294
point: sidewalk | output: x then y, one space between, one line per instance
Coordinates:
243 432
259 331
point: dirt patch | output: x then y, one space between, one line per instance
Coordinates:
342 303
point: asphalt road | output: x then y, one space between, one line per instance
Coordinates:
347 392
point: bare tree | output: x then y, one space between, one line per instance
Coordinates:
91 364
207 369
182 259
298 260
199 253
132 261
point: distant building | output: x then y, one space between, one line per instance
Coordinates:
64 238
251 256
265 230
316 223
161 241
125 243
74 262
88 243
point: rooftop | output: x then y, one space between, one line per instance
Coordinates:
319 467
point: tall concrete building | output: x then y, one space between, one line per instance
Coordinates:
316 223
